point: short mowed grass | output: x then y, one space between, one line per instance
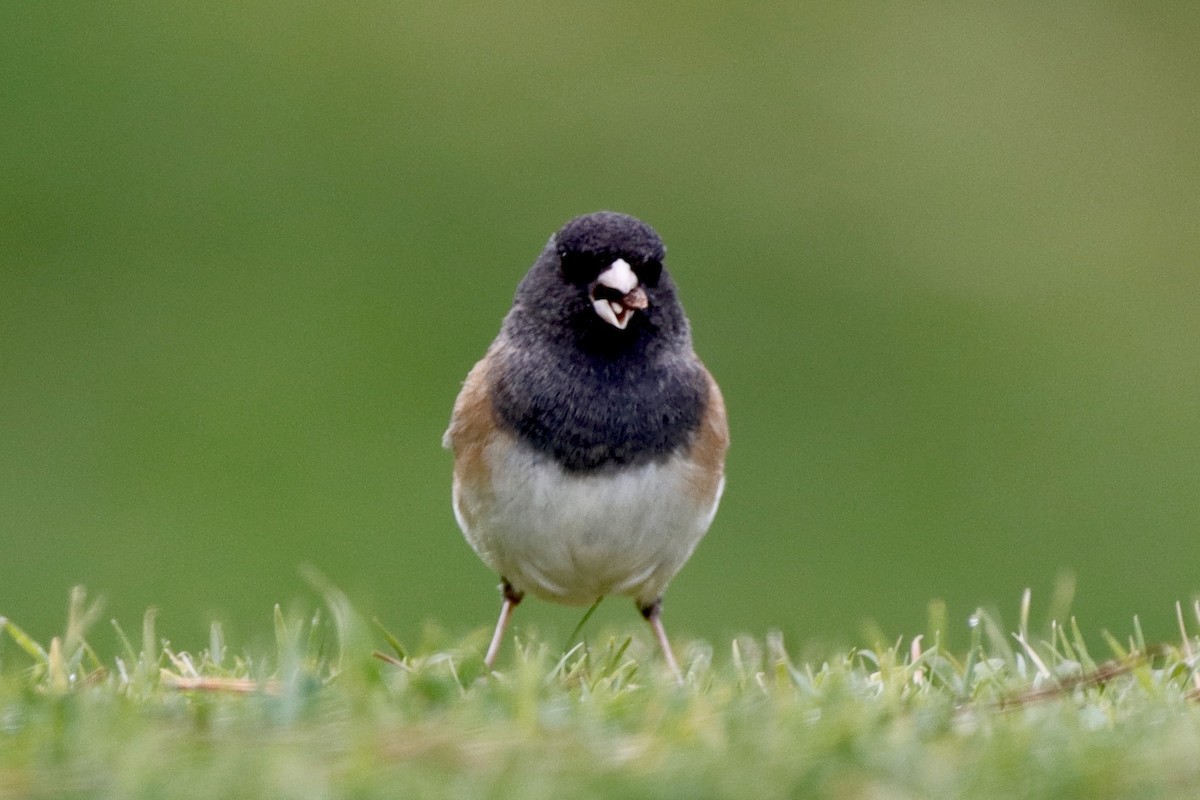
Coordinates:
339 709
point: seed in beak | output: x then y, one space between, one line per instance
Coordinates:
616 294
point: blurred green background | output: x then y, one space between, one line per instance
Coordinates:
942 258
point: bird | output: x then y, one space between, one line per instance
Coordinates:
589 442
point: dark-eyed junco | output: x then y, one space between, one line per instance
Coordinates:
589 443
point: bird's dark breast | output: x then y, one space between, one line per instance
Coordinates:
595 414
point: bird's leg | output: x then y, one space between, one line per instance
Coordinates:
653 615
511 598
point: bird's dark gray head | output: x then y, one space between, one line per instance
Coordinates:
600 282
588 245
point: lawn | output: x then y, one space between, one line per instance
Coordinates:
339 708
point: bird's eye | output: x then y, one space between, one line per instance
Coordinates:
582 268
649 272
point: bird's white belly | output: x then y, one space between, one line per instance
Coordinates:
573 538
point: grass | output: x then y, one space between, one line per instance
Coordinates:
327 715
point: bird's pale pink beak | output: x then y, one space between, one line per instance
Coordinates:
616 294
